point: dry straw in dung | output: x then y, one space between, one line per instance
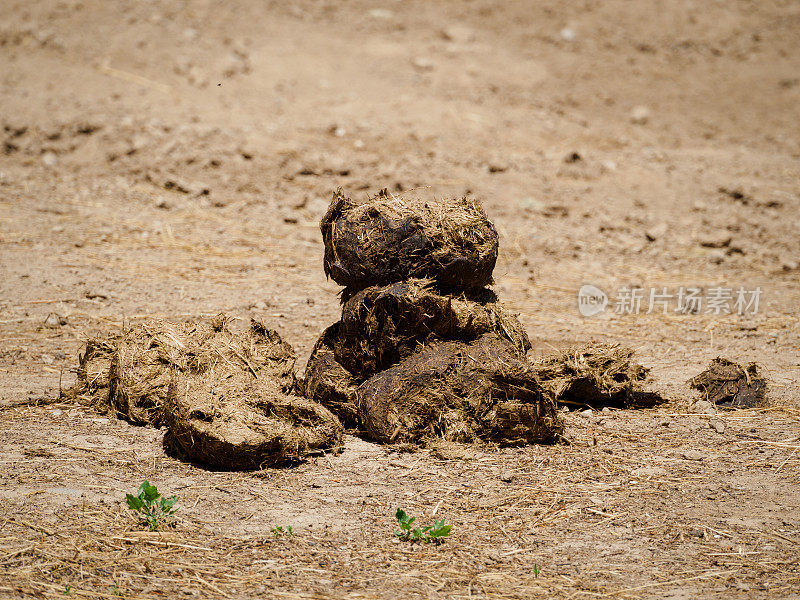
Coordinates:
93 367
141 367
596 375
224 396
229 405
382 325
460 391
391 238
227 418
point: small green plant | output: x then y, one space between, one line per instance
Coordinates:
536 570
279 531
67 589
152 507
432 534
114 590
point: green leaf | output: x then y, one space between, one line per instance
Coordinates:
401 515
133 502
442 531
150 492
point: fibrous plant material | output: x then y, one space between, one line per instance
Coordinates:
328 382
390 238
93 368
229 419
140 371
383 324
460 392
727 383
142 361
225 397
231 410
596 375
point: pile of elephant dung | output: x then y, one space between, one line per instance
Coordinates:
328 382
423 350
727 383
226 398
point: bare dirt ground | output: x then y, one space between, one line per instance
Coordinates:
173 159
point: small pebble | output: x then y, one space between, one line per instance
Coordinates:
693 455
640 115
716 239
698 533
717 426
717 257
507 476
703 407
656 232
381 13
54 321
458 34
422 63
567 34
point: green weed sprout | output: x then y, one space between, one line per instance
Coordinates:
152 507
432 534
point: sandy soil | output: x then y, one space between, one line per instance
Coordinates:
173 159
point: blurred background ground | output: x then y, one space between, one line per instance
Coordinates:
174 159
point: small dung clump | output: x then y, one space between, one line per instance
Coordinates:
145 357
727 383
93 367
462 392
596 375
381 325
327 382
388 238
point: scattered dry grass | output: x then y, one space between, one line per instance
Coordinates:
581 513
